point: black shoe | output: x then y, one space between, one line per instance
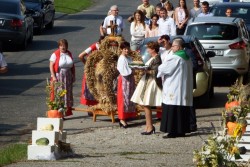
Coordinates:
170 135
193 129
122 125
149 133
181 135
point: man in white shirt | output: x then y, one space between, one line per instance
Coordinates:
166 24
113 24
205 9
165 48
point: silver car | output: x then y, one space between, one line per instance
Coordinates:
228 38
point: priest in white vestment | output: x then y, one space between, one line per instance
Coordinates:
177 95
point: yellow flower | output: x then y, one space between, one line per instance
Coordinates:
237 130
234 150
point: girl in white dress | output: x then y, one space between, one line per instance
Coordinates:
181 17
148 91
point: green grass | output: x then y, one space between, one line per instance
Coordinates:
13 153
72 6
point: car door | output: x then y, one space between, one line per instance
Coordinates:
245 36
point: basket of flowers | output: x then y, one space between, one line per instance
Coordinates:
55 99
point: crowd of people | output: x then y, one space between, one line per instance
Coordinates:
167 82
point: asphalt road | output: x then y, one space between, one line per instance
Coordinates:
22 89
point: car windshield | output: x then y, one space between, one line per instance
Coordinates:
11 8
238 11
213 31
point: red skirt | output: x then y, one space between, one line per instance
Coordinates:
122 102
86 97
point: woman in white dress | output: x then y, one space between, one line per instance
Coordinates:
148 91
181 17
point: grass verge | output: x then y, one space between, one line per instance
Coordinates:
72 6
13 153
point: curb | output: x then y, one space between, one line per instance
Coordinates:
59 15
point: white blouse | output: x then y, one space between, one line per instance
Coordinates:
122 65
137 32
65 60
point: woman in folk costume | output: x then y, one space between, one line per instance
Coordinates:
86 97
177 94
62 69
148 91
126 86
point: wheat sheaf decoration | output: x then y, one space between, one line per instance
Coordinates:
101 73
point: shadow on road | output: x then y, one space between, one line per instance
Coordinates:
16 86
62 30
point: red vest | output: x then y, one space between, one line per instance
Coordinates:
56 64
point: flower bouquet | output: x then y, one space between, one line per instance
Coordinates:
236 109
55 99
217 151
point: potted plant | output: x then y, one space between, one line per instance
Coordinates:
55 100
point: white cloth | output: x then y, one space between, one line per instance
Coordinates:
177 82
152 95
2 61
116 20
208 14
122 65
165 53
137 32
65 60
166 27
151 33
92 47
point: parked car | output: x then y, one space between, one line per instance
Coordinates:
16 25
43 13
228 38
212 2
240 10
204 85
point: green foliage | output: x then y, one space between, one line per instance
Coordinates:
13 153
217 150
72 6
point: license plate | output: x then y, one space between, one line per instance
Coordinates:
217 52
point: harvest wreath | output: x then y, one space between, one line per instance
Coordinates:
101 73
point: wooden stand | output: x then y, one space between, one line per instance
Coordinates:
97 112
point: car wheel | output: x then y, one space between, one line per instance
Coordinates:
211 91
51 24
31 36
203 101
40 28
246 78
24 45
